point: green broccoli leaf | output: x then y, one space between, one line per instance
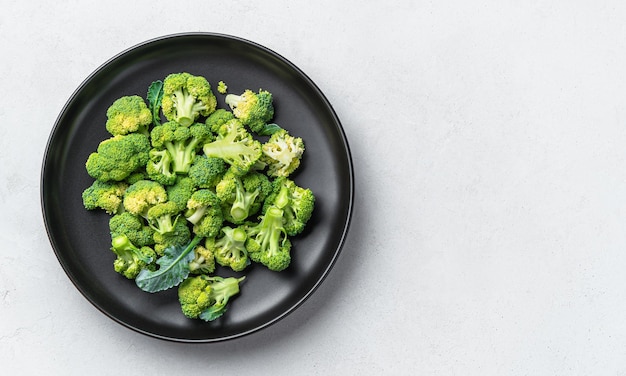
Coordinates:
269 129
154 96
173 268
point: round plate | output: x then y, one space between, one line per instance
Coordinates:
81 240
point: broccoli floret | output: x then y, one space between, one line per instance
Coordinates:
218 118
253 109
267 241
159 167
180 236
136 176
133 227
130 258
282 153
296 202
230 248
143 195
105 195
222 87
162 217
242 196
128 114
207 297
206 172
205 213
236 146
180 192
186 97
118 157
203 261
182 143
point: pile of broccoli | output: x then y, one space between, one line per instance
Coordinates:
191 188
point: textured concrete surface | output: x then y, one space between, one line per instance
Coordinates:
488 140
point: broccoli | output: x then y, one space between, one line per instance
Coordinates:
186 97
130 258
236 146
128 114
296 202
180 192
205 213
105 195
133 227
207 297
206 172
282 153
162 217
222 87
203 261
218 118
267 241
182 143
242 196
136 176
230 248
180 236
142 195
159 167
118 157
253 109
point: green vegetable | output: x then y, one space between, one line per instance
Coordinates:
221 87
104 195
132 227
173 268
218 118
253 109
159 167
180 192
128 114
267 241
282 153
202 173
203 261
155 96
142 195
235 146
230 248
131 260
180 236
118 157
207 297
181 142
186 97
242 196
297 204
204 212
162 217
206 172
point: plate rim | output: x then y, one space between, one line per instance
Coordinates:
87 80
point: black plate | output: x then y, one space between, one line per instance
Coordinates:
80 238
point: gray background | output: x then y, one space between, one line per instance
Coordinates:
488 140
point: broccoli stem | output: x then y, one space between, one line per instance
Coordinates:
123 248
182 154
164 224
282 199
243 201
239 235
196 215
226 149
273 222
186 107
232 100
